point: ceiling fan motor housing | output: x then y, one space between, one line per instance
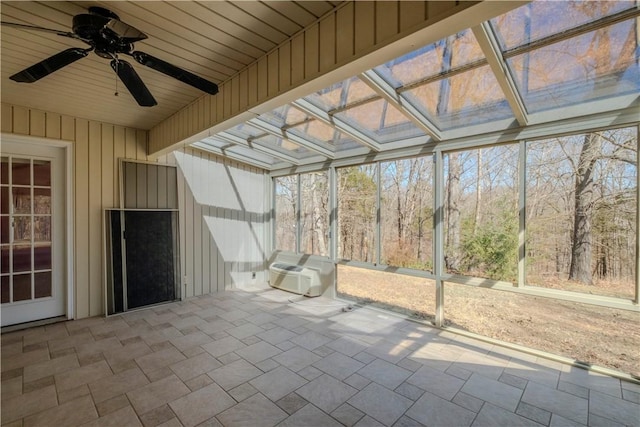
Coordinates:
93 29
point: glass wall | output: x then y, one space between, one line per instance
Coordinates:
481 212
410 296
286 195
314 213
357 207
586 333
406 213
581 212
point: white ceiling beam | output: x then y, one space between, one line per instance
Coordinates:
341 125
296 139
491 49
223 152
225 136
386 91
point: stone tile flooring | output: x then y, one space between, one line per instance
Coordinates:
253 358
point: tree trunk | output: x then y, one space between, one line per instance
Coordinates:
580 269
476 217
452 257
319 218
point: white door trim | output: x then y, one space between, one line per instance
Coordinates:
69 204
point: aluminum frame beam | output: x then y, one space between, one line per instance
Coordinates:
387 92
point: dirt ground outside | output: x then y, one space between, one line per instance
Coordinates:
589 334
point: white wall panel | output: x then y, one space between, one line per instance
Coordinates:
223 215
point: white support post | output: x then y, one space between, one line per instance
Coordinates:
333 211
378 213
522 217
438 235
298 206
637 298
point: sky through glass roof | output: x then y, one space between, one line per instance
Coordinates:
538 58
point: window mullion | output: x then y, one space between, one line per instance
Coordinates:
522 200
438 235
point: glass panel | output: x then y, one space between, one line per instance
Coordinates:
21 229
592 249
481 213
21 287
410 296
5 295
21 171
21 200
4 200
21 258
42 228
342 94
4 229
4 170
540 19
42 257
357 213
284 146
4 259
286 188
314 213
437 58
42 284
591 334
245 131
318 131
42 200
285 115
596 65
42 173
380 121
406 213
315 129
465 99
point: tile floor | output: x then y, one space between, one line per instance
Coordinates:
255 359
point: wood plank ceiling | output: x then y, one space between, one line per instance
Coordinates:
214 39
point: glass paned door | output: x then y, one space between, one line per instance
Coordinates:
25 218
33 232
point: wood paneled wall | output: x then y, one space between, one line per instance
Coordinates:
149 186
223 222
97 148
223 212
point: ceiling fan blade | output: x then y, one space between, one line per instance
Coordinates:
175 72
133 82
35 28
49 65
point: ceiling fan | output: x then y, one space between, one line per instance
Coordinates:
107 36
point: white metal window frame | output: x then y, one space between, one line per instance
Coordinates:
620 119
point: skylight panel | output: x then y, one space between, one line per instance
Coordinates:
464 99
541 19
596 65
316 131
439 58
236 151
341 94
284 146
245 131
380 121
286 115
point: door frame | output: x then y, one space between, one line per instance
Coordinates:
69 206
